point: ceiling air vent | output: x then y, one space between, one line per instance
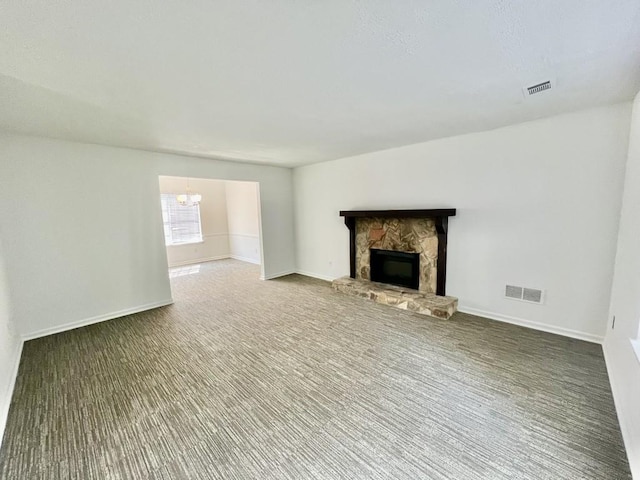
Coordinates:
540 87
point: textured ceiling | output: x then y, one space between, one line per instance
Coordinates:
295 82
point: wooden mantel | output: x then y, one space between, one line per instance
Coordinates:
440 216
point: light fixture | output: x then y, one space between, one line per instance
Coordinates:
188 199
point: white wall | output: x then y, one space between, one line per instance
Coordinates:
213 221
622 364
244 220
10 348
85 240
538 206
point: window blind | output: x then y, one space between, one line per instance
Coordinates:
181 223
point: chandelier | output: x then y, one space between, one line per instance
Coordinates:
188 199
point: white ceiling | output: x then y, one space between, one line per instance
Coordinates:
290 82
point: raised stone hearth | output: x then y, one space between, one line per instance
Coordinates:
403 298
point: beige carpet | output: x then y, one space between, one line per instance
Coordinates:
285 379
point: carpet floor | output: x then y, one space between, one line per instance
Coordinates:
286 379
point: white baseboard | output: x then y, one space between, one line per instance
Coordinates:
245 259
626 428
8 393
96 319
566 332
276 275
198 260
315 275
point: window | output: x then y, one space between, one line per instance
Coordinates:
181 223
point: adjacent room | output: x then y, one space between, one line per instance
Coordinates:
320 240
208 219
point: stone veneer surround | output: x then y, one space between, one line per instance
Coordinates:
412 235
439 216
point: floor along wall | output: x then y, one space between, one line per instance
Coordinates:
242 378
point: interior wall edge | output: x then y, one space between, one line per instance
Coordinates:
624 420
97 319
272 276
319 276
542 327
8 391
245 259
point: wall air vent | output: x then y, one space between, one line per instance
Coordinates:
532 295
513 292
524 294
540 87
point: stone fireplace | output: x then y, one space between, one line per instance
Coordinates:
406 235
399 258
412 231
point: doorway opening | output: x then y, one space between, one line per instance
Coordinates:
209 219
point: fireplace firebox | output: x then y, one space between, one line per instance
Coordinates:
397 268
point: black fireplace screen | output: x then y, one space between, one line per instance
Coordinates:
396 268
